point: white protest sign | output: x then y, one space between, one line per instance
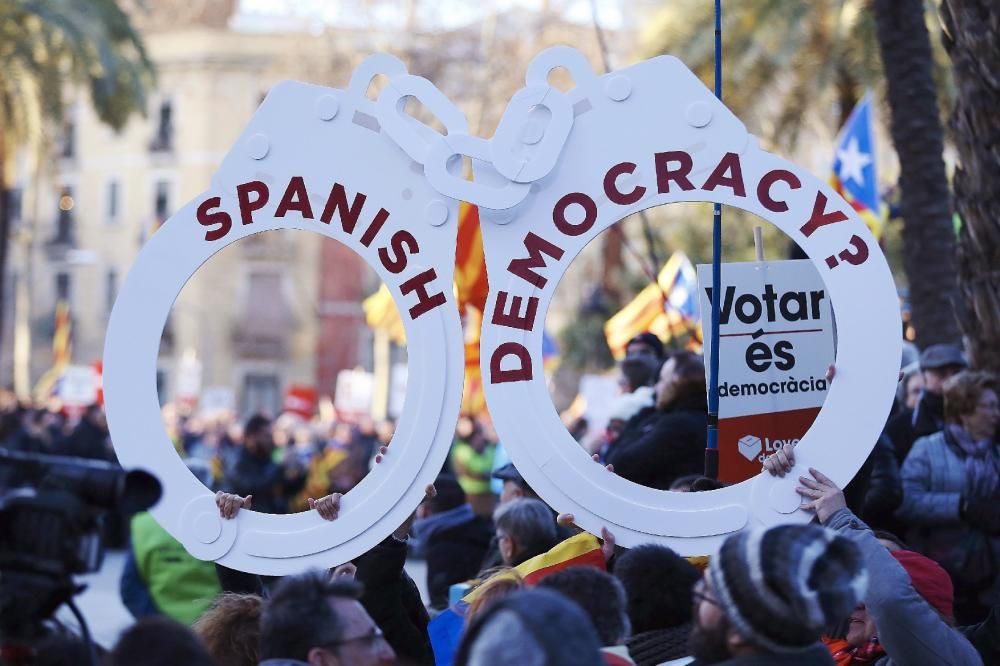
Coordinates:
643 136
215 399
78 386
775 346
319 160
561 168
354 392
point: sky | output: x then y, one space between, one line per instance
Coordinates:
262 15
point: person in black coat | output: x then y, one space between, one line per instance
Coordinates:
668 441
451 537
937 364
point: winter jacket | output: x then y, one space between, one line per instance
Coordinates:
454 543
664 444
656 646
884 492
161 571
908 426
910 630
393 600
934 480
814 655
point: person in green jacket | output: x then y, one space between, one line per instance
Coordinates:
160 576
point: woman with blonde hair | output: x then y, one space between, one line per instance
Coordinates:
230 629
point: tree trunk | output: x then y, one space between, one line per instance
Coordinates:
4 247
973 41
928 233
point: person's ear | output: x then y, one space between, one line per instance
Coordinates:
736 643
506 548
322 657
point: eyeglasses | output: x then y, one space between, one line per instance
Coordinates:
699 595
370 638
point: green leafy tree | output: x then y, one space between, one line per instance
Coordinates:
47 46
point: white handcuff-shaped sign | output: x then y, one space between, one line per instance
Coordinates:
561 168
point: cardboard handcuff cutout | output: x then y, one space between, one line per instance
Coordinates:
561 168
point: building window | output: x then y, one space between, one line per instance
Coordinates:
110 288
64 218
67 147
261 394
14 205
64 287
163 139
113 194
161 202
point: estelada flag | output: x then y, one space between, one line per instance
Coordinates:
62 351
668 308
855 176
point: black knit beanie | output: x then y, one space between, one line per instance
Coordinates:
782 586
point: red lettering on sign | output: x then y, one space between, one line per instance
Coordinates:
589 214
247 207
728 173
536 247
820 217
337 203
425 302
521 373
396 263
855 255
611 186
207 218
768 181
295 198
513 318
376 226
664 174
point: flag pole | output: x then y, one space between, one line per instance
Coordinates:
712 441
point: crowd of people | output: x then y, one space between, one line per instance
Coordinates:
899 567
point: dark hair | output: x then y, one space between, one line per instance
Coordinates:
230 629
600 596
886 535
638 372
449 494
658 584
690 370
683 483
703 483
256 424
651 340
156 641
550 630
299 617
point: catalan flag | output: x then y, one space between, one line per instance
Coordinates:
471 285
381 313
62 350
668 308
855 176
583 549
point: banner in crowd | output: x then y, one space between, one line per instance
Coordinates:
775 345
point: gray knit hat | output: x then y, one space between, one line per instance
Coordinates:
782 586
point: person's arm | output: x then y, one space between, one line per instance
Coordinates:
132 588
922 505
910 630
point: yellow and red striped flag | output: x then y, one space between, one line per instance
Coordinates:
62 350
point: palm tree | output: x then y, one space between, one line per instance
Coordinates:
45 45
925 202
785 63
972 37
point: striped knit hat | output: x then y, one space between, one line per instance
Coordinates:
782 586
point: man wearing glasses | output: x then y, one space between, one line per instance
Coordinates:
312 620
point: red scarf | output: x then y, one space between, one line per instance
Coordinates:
845 655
